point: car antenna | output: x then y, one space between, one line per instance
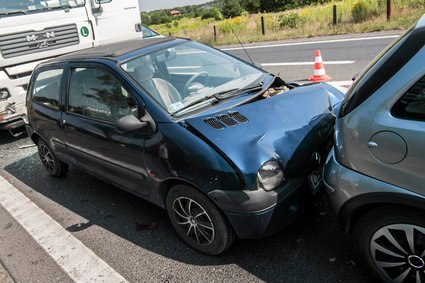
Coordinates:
240 42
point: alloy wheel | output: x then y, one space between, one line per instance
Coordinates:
47 158
398 250
194 220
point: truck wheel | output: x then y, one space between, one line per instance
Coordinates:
198 221
54 166
390 241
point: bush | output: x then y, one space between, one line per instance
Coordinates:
231 9
291 20
212 13
359 12
238 25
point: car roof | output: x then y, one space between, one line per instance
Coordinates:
114 51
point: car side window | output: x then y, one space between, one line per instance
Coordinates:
46 88
97 94
411 105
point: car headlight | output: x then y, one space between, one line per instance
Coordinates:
270 175
4 94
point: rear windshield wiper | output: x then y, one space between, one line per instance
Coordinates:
238 91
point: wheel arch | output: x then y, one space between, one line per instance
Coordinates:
166 185
35 137
354 209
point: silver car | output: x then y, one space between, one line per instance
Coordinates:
375 174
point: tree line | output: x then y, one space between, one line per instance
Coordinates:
223 9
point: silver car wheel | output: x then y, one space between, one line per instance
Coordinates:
398 250
195 220
47 158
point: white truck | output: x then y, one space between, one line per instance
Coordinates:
35 30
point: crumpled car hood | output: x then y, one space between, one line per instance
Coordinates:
286 128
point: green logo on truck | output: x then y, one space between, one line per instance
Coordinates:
84 31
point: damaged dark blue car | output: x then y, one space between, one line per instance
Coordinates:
227 148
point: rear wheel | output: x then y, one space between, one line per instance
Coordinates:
54 166
198 221
391 242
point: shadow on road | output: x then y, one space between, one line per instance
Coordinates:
6 137
312 250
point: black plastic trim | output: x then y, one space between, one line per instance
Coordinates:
351 211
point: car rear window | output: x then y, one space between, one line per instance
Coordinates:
411 105
46 88
389 62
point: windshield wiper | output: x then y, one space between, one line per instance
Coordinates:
193 103
67 6
224 95
14 12
238 91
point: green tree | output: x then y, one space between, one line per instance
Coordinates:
159 17
252 6
231 9
145 18
212 13
272 5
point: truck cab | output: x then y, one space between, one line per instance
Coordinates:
32 31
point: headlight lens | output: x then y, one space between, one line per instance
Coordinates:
4 94
270 175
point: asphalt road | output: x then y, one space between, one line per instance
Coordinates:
110 221
360 49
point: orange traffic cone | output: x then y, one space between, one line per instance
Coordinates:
319 69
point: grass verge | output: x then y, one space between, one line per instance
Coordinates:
354 16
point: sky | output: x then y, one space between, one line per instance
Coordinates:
149 5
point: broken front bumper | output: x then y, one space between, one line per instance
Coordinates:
259 213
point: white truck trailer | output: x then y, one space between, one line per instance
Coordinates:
35 30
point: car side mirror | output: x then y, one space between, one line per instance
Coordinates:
129 123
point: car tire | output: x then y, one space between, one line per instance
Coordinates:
198 221
53 166
390 242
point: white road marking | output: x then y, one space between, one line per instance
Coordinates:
306 63
77 260
312 42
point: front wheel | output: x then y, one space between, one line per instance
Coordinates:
198 221
391 242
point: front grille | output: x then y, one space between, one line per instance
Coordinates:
213 122
227 120
238 117
23 43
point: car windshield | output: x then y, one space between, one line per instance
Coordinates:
191 75
11 7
